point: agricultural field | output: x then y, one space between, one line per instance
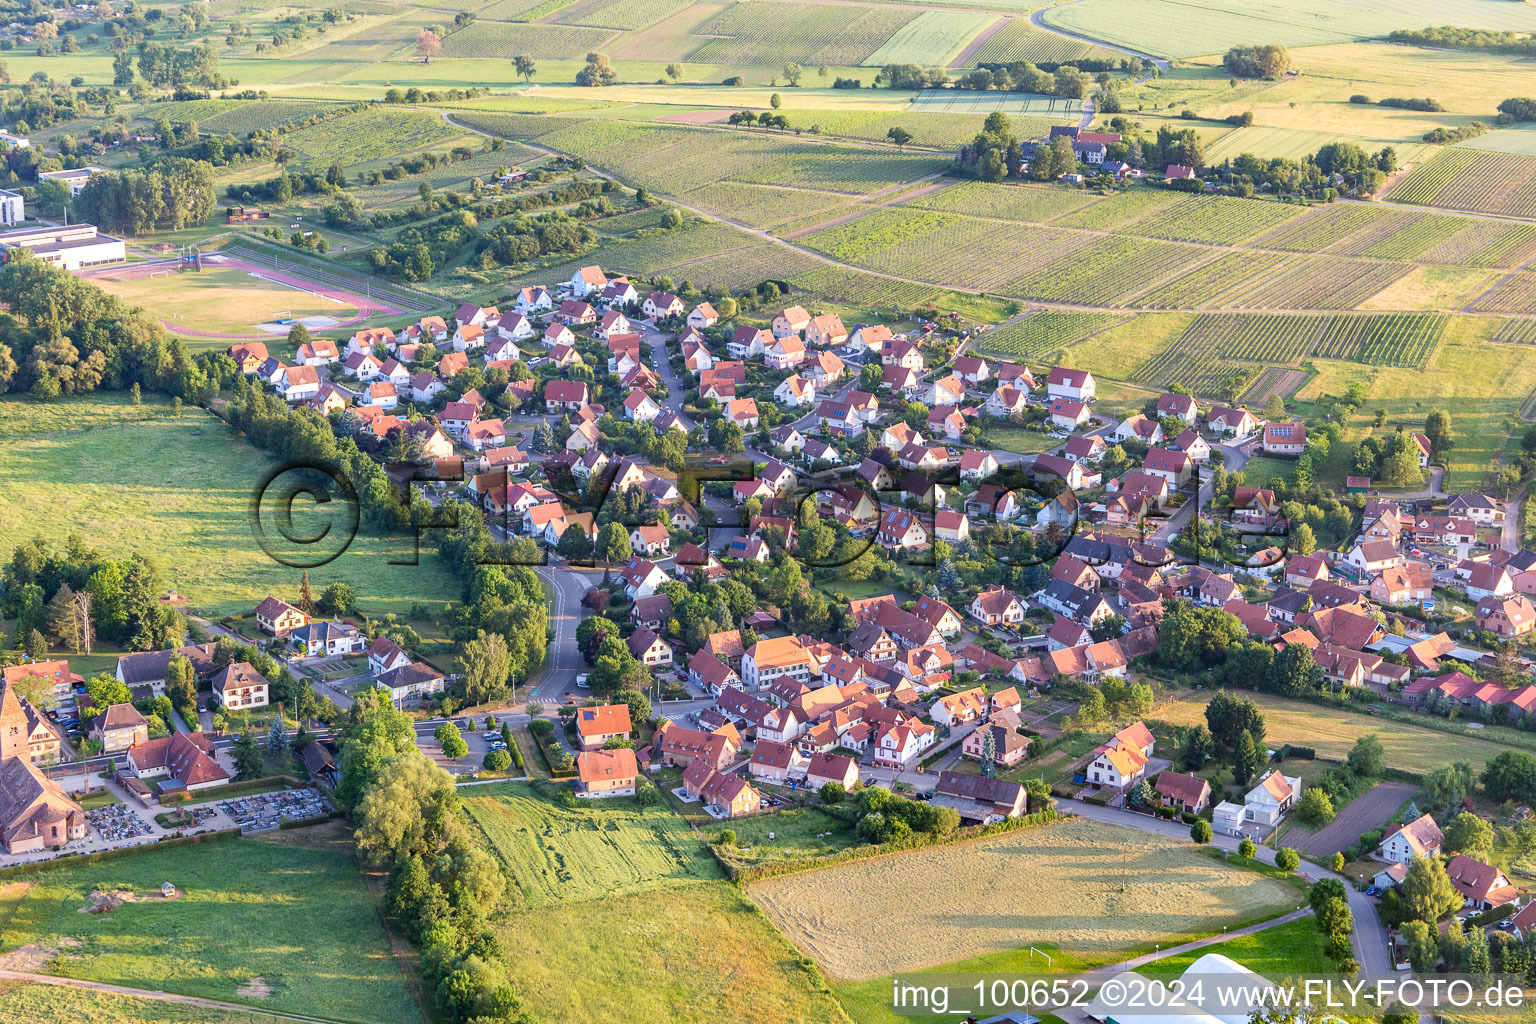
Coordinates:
1516 141
37 1003
940 131
180 494
1316 283
1030 204
609 874
1208 285
597 849
1515 332
1019 40
497 38
1109 272
930 39
219 299
764 206
618 14
1332 732
1038 335
1515 294
369 135
237 117
1465 179
980 901
1212 219
1187 28
771 32
242 930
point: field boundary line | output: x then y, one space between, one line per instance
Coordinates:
969 51
165 997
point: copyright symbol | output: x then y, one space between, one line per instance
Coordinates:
304 515
1113 992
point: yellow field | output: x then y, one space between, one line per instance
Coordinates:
1059 884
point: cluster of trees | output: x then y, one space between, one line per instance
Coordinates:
887 817
1234 733
1113 699
168 195
1330 909
1271 61
40 587
1392 460
598 72
163 66
443 888
1449 37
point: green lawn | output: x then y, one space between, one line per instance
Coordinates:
179 491
797 833
1287 949
301 921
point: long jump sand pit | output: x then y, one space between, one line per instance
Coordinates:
1058 884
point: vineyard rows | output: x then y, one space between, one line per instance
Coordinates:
1107 272
1277 380
514 126
1395 339
239 117
1019 40
1516 332
858 172
836 284
1324 227
1517 294
1206 285
1255 339
369 135
545 42
1117 213
763 206
1042 333
942 131
1213 219
1030 204
1318 282
977 254
1203 373
931 38
620 14
1465 179
862 239
769 32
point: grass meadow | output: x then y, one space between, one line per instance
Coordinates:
135 479
1059 884
36 1003
253 917
1332 732
628 900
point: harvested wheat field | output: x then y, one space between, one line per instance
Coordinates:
1059 884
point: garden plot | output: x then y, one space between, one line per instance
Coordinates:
1059 884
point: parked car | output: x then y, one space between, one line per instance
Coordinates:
581 680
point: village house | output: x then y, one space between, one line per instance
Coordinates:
729 794
606 773
279 617
596 726
238 686
1077 385
1403 844
186 761
1185 793
1008 746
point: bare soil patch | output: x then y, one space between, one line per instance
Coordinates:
1367 811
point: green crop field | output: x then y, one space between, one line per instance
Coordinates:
764 206
1207 285
180 493
599 848
930 39
1465 179
497 38
369 135
619 14
1517 141
1031 204
1186 28
1040 334
771 32
942 131
1019 40
1316 283
268 924
1213 219
951 101
1110 272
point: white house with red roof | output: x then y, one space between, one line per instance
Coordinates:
1064 382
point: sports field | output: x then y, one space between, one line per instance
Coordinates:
1059 884
219 299
178 490
266 924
